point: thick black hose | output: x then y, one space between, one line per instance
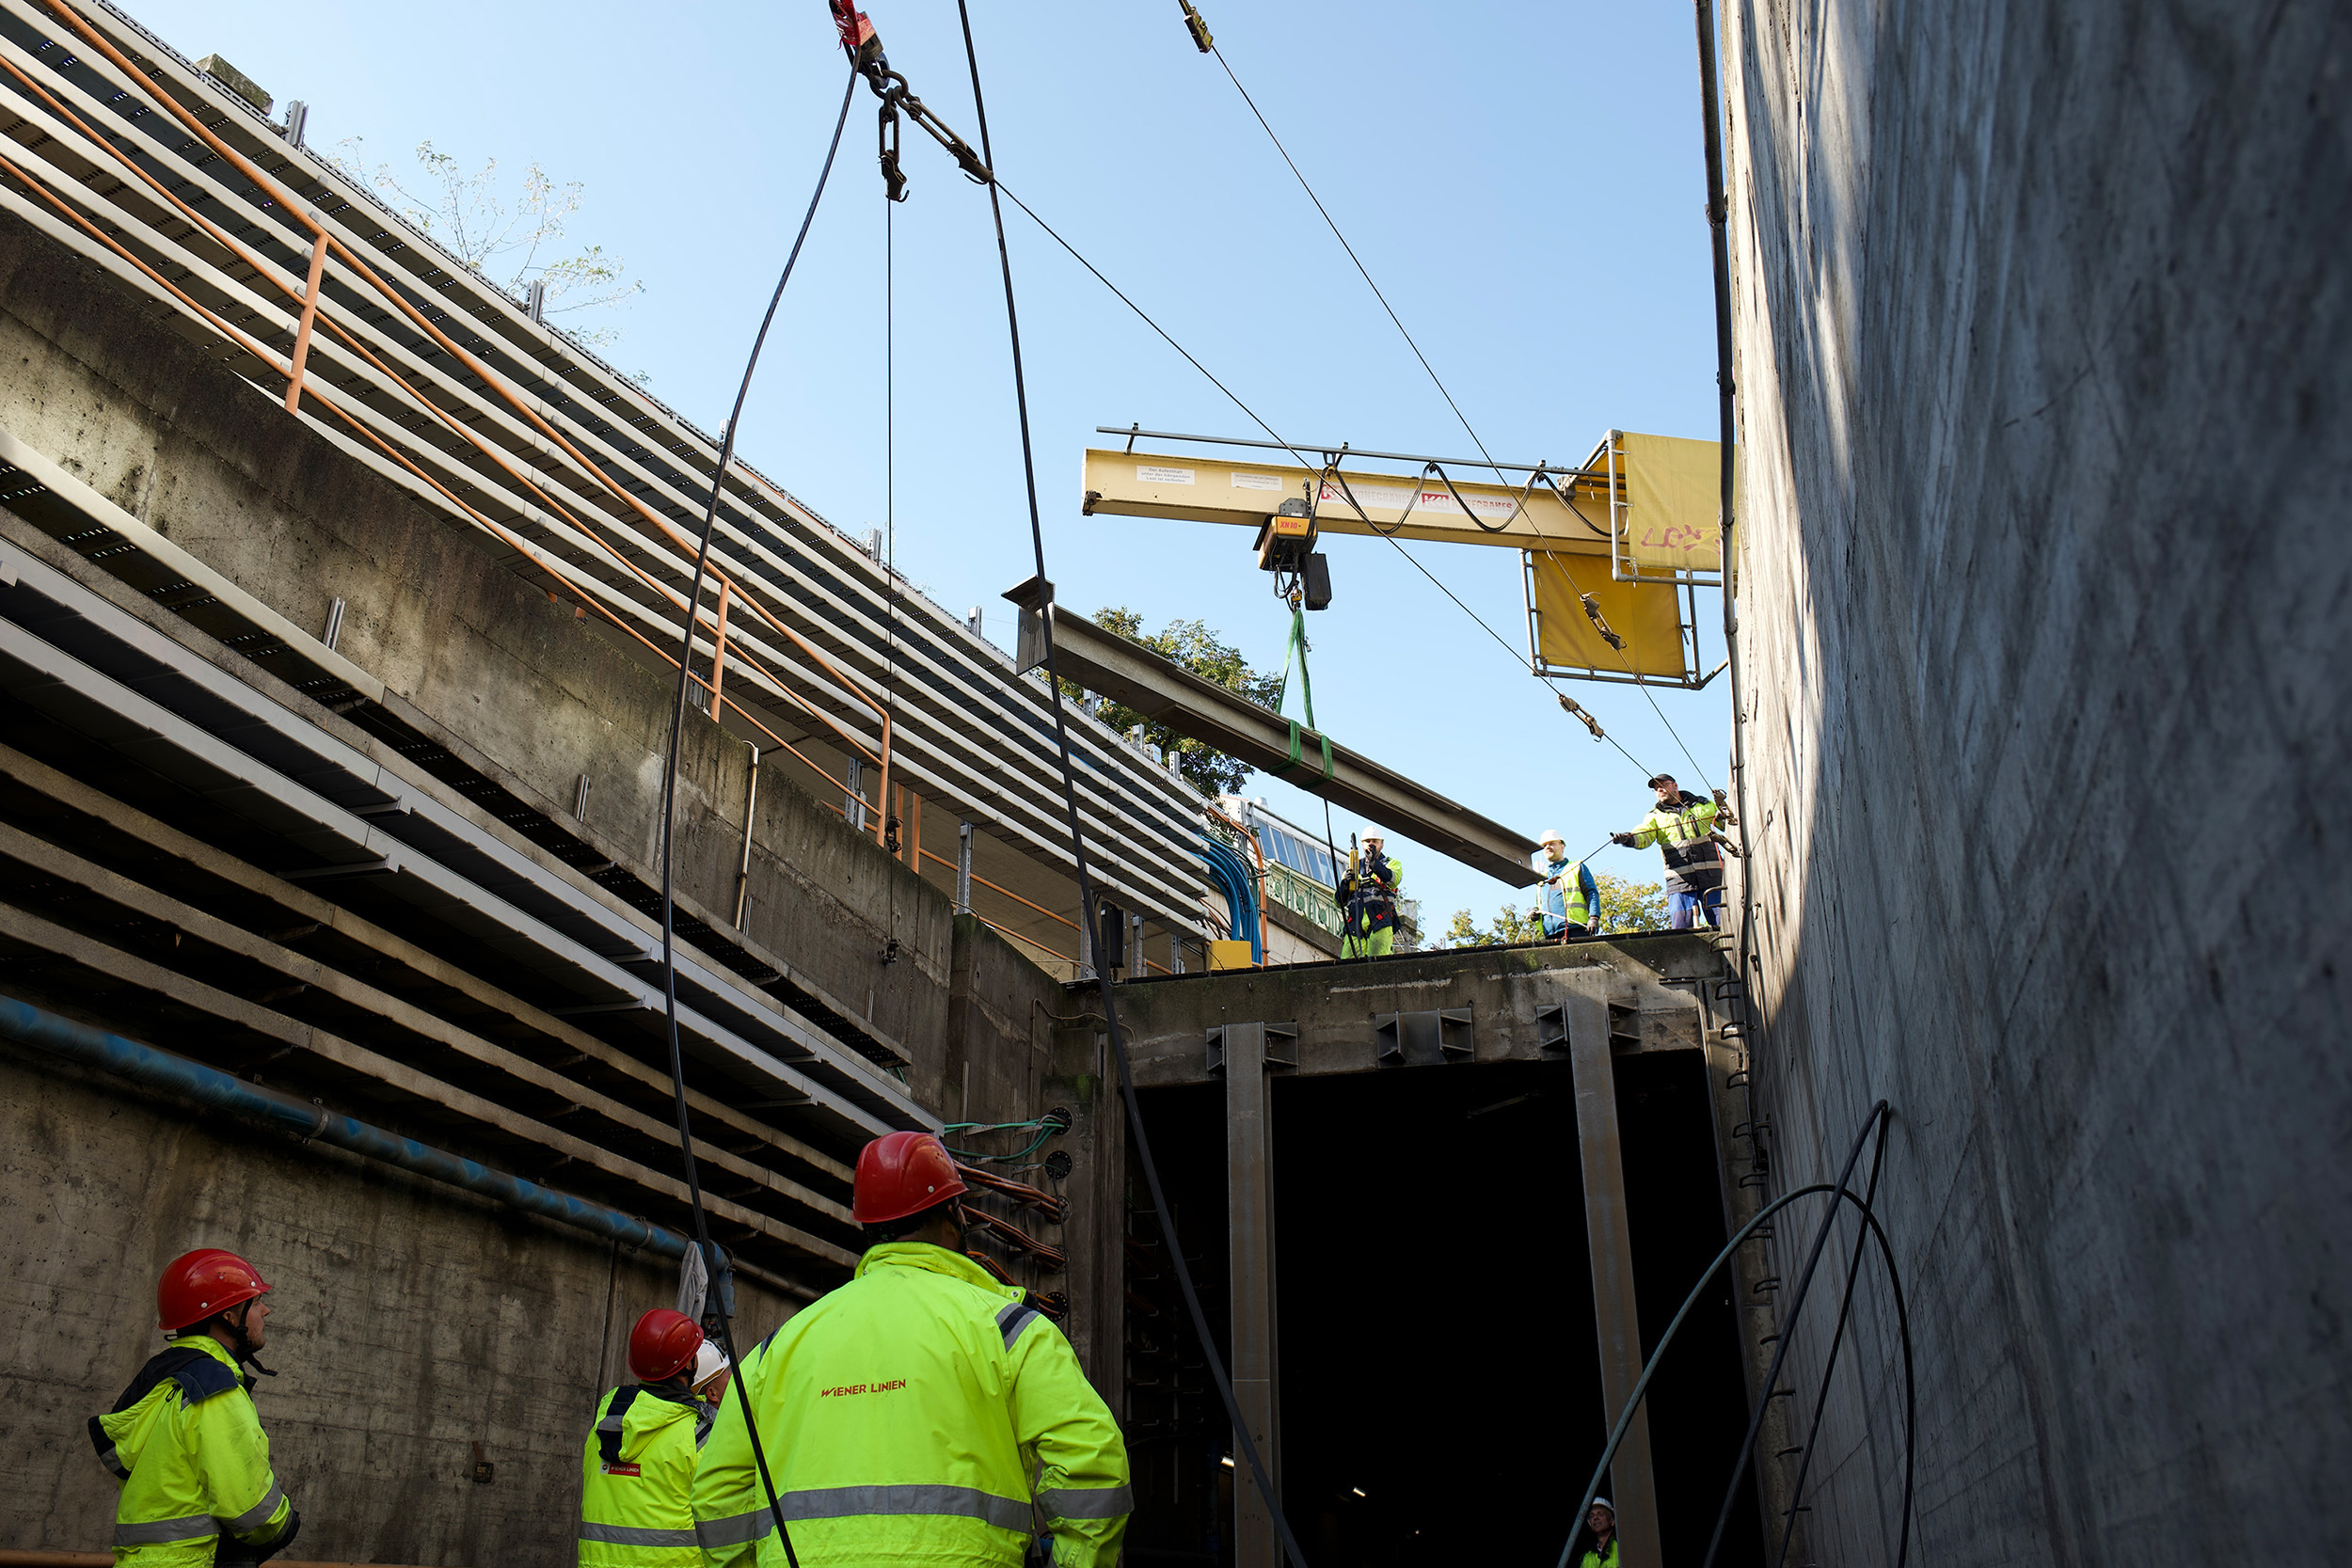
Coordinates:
668 812
1078 854
1625 1419
1780 1350
1836 1341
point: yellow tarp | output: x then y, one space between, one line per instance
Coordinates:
1670 524
1646 614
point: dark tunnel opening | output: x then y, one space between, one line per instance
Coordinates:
1440 1374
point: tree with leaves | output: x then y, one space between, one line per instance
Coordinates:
1628 906
1624 906
1192 645
1510 926
512 238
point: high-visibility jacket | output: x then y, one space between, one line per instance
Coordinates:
1563 909
1692 861
903 1418
1599 1558
1368 895
637 1481
187 1446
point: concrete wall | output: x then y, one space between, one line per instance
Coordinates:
412 1323
2045 328
530 695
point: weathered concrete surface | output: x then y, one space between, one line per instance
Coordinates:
411 1324
524 691
1334 1004
2045 337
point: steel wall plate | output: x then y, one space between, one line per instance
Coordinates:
1424 1039
1281 1047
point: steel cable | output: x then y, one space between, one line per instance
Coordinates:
669 814
1872 1229
1077 841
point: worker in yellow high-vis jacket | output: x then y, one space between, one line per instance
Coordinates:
904 1415
184 1440
637 1474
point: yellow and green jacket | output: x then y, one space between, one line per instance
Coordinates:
911 1417
1681 831
637 1481
187 1446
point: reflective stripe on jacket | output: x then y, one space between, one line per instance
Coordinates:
637 1481
1562 912
1595 1557
1692 858
187 1446
902 1417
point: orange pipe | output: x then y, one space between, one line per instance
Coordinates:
302 333
719 645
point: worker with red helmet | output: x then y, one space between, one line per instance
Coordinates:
637 1476
184 1440
904 1416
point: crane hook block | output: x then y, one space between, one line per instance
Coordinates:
863 44
1198 27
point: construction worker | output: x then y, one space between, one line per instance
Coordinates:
1368 901
1683 826
1572 908
637 1475
1601 1522
902 1416
184 1441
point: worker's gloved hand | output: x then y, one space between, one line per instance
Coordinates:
1626 839
233 1553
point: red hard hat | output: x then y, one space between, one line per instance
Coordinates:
901 1174
663 1344
198 1284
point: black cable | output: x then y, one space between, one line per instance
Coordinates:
1836 1341
1780 1350
1078 843
668 812
1641 1387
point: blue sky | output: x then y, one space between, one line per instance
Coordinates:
1524 181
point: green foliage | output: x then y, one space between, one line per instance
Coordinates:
1624 906
506 236
1192 645
1630 906
1510 926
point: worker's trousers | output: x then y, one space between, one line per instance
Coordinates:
1379 945
1682 909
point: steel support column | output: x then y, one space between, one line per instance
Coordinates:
1250 1209
1633 1488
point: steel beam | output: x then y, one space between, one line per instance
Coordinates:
1249 1210
1634 1491
1402 506
1163 690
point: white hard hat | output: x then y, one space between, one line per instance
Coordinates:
1551 835
1604 1502
709 1362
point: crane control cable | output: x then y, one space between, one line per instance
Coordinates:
668 848
1204 42
1243 1438
1253 415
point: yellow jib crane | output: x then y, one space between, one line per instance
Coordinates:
1613 551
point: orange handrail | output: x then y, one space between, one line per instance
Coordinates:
311 311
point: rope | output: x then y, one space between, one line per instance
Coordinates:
669 817
1242 1437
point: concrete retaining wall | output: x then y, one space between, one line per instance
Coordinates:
2047 602
411 1324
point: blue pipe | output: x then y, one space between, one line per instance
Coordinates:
1241 898
156 1070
